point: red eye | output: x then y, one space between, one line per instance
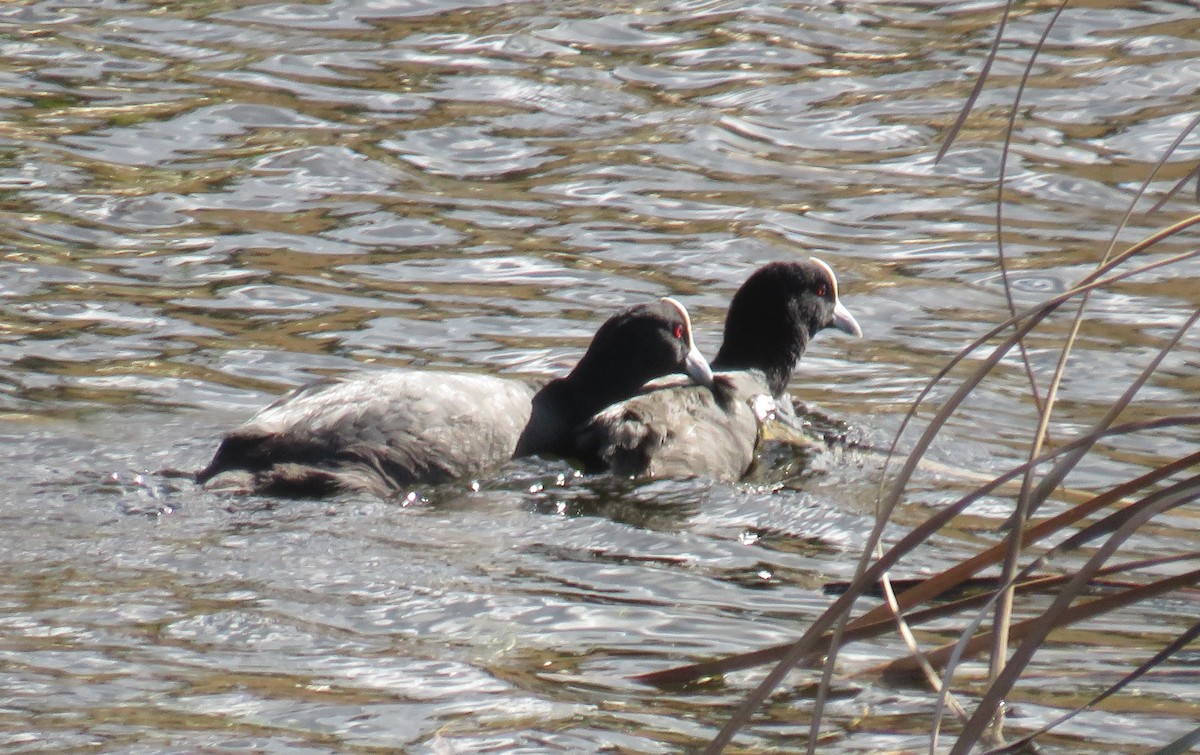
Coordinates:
678 330
821 290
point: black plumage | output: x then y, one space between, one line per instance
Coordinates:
386 432
673 430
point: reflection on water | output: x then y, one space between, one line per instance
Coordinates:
207 203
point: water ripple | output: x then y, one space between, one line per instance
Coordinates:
837 130
467 152
205 204
189 136
613 31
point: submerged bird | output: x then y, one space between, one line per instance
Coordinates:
385 432
672 430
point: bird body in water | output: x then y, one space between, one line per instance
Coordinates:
673 430
387 432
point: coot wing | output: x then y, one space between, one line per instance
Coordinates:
405 426
677 430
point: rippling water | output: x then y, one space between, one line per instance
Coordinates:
206 203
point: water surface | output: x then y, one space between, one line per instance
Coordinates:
208 203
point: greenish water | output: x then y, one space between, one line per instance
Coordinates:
207 203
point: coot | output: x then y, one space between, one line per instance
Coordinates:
385 432
672 430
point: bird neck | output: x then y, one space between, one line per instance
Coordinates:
772 347
565 403
590 388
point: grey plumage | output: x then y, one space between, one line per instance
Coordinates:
386 432
674 431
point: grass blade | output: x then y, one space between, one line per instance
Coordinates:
980 80
861 583
1181 746
1158 658
1001 686
907 666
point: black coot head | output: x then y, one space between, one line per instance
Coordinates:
631 348
639 344
775 313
